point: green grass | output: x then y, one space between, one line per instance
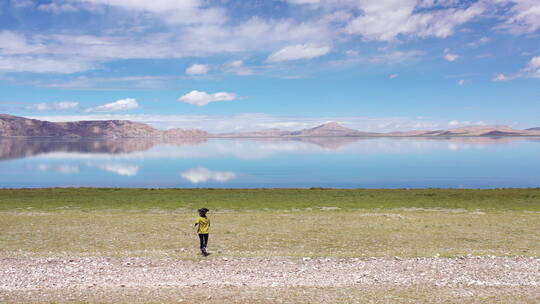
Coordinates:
271 222
355 233
50 199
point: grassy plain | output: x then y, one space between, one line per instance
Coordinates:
50 199
271 222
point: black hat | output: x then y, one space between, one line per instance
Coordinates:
203 210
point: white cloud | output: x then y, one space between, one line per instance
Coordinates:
462 82
16 43
479 42
22 3
54 53
532 70
58 106
533 67
237 67
198 69
352 52
119 105
387 19
393 57
303 1
392 76
200 98
451 57
201 175
501 77
172 11
58 7
44 65
299 51
457 123
522 17
104 83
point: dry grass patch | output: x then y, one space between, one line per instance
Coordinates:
406 233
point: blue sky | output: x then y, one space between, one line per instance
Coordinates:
224 65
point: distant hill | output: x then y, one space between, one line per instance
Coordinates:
533 129
331 129
334 129
470 131
14 126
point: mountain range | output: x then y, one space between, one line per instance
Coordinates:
14 126
333 129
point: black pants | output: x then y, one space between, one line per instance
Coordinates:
204 240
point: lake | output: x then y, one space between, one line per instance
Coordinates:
458 162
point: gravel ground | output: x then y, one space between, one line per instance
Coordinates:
65 279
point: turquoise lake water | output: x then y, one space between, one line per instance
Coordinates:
465 162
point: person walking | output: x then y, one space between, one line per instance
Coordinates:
203 225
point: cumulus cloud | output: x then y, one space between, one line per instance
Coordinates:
299 51
201 175
451 57
119 105
58 106
198 69
200 98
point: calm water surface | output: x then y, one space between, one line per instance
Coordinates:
310 162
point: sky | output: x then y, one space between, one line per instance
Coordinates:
243 65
